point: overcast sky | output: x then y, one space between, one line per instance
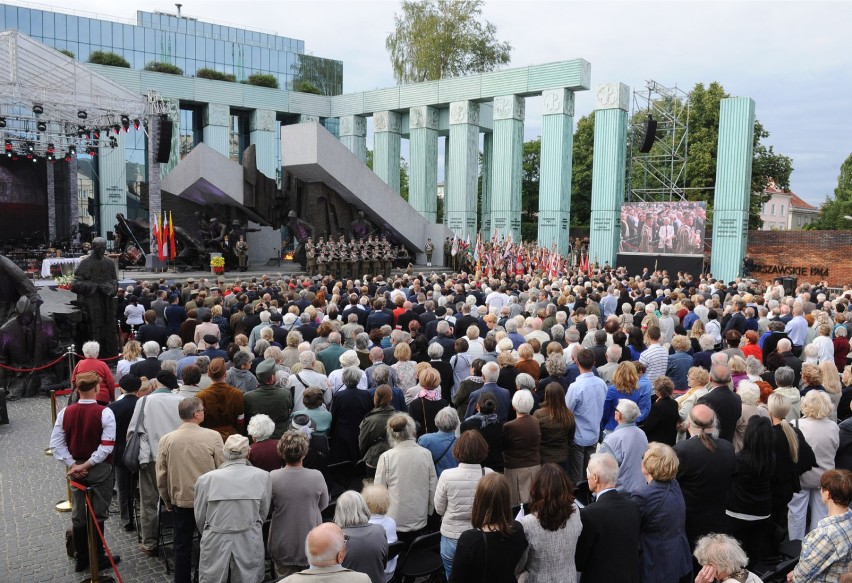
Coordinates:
793 58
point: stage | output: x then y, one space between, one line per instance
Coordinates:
636 262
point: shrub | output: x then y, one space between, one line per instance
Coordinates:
307 87
68 53
159 67
107 58
215 75
262 80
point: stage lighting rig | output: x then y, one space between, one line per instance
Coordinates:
82 114
2 122
41 126
38 109
125 122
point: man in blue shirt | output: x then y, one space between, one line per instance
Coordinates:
796 330
585 398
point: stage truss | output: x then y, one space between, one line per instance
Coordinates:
660 174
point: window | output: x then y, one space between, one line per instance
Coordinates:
782 210
773 209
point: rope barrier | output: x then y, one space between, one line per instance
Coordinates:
93 521
106 359
63 392
38 368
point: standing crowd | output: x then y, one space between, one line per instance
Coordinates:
605 428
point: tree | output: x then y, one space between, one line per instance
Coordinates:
213 74
529 189
436 39
833 212
108 58
581 171
318 76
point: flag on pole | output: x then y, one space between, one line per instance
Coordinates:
155 237
164 240
455 248
172 247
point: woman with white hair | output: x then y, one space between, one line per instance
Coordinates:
440 443
348 359
366 543
823 435
348 409
263 452
749 394
521 447
409 474
831 384
722 559
106 392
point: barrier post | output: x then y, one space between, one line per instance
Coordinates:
48 450
93 531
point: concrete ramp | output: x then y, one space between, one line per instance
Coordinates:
312 154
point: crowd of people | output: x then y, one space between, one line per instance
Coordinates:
653 428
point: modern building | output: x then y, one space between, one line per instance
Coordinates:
785 211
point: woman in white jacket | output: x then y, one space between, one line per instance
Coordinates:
456 490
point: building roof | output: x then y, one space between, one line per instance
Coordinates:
795 201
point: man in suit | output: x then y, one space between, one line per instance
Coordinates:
704 474
490 372
379 317
725 403
151 365
785 351
608 548
326 549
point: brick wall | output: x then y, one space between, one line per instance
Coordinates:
808 255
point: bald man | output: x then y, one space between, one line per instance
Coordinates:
704 474
326 548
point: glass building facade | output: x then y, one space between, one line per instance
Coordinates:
185 42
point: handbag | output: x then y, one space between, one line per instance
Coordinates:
130 459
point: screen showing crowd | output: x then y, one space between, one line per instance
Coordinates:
663 227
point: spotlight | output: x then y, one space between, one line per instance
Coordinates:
30 156
125 122
82 114
116 128
136 123
35 160
72 150
81 132
2 122
38 109
8 145
113 142
41 126
96 135
92 152
14 157
30 148
51 149
11 154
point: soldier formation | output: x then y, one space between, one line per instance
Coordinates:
352 259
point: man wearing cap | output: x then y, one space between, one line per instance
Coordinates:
270 398
83 439
184 455
123 409
213 351
223 403
231 504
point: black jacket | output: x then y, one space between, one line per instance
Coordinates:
610 525
728 407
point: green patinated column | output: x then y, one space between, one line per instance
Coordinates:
507 165
554 191
386 147
733 186
462 168
423 175
262 127
487 156
353 134
610 153
216 133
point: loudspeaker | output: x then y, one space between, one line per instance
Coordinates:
164 147
790 284
110 236
650 135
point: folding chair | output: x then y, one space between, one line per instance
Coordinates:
423 559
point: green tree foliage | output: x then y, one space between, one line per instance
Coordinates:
108 58
263 80
581 172
529 189
214 75
436 39
834 210
68 53
159 67
307 87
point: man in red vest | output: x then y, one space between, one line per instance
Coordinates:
83 439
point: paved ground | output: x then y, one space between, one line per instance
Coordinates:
32 532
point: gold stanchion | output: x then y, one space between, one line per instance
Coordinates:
65 505
48 450
95 576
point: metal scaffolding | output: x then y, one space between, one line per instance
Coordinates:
658 175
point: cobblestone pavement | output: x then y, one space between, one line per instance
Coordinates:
32 531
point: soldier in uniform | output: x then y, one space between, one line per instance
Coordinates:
322 261
310 257
242 249
429 248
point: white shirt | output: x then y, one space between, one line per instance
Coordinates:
60 446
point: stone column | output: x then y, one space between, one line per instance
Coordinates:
386 147
423 178
262 128
733 187
112 181
217 128
554 191
507 166
608 167
487 164
462 169
353 134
